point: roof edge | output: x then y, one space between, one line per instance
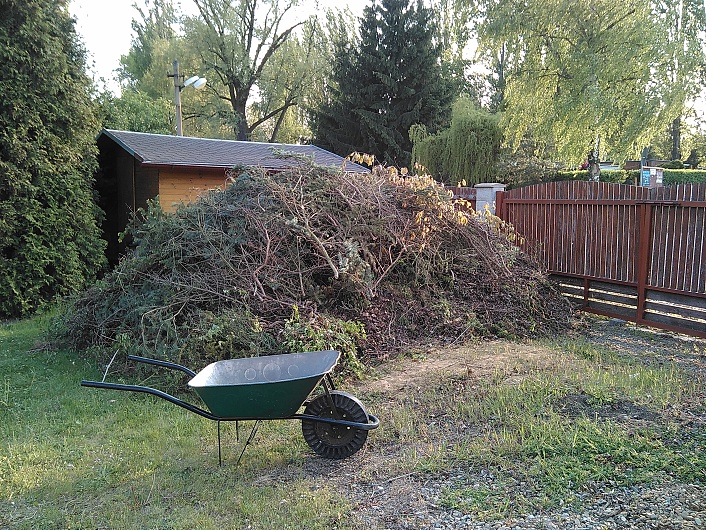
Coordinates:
109 134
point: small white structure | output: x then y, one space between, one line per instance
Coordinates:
485 194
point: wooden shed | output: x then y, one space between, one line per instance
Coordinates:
136 167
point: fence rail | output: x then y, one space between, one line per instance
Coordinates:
630 252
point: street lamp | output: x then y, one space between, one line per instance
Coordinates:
195 81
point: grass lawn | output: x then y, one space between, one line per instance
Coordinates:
543 419
73 457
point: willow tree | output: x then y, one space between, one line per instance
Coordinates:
467 151
580 73
684 24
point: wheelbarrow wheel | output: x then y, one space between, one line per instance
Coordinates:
328 439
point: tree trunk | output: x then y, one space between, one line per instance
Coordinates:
239 104
676 139
594 166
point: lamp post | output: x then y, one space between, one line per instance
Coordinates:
195 81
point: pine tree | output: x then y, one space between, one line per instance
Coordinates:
49 237
385 84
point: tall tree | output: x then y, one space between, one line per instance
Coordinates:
284 87
392 80
49 237
156 25
581 73
455 19
147 90
236 42
684 22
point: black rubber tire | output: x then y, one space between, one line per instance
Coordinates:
330 440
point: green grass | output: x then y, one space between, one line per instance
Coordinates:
541 455
74 457
524 439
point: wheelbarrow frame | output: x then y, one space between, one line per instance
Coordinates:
326 382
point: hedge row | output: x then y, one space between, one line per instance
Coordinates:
622 176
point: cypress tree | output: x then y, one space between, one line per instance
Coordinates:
390 81
49 237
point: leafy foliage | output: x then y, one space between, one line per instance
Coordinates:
370 263
136 111
49 239
241 47
384 85
467 151
156 26
683 176
323 333
577 71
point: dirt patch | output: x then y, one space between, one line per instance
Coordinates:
582 405
377 480
484 359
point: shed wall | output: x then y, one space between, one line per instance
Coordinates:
177 186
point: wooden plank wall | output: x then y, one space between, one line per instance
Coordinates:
626 251
176 186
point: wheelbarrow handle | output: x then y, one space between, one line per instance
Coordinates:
154 392
165 364
373 421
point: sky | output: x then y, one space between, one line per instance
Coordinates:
106 31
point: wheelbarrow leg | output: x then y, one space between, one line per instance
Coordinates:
329 398
237 439
220 461
330 381
250 439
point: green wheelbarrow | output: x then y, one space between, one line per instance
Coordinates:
335 424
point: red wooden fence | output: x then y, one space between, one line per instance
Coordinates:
623 251
464 192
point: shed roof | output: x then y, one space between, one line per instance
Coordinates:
165 150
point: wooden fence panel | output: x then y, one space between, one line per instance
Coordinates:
626 251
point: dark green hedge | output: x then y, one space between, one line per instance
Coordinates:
621 176
684 176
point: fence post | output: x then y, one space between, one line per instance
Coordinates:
500 204
486 193
643 257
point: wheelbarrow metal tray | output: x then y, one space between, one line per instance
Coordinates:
268 387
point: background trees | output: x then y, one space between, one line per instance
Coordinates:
384 85
581 71
564 75
237 42
589 71
49 239
684 61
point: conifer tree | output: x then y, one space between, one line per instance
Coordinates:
383 85
49 237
